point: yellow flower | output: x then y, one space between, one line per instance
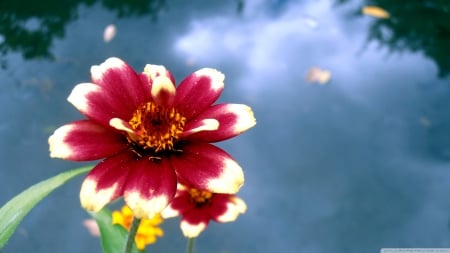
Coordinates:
148 230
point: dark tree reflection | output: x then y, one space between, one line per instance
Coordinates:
414 25
29 27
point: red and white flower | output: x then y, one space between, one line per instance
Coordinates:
151 135
198 207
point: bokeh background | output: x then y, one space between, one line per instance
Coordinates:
355 161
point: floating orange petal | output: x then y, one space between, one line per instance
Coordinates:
318 75
109 33
92 227
375 11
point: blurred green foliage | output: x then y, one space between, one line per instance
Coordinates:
414 25
30 27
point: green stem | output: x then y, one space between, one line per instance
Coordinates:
131 234
190 246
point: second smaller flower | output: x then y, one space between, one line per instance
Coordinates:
197 207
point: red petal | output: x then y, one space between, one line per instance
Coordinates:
196 216
97 104
85 141
204 166
150 187
233 207
121 85
106 181
198 91
218 205
233 120
182 202
194 222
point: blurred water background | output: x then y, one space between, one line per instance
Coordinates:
351 152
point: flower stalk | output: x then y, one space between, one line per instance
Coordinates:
190 245
131 234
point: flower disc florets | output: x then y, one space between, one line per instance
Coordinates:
155 127
200 197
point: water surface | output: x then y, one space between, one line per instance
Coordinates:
354 165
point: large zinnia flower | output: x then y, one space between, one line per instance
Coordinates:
151 135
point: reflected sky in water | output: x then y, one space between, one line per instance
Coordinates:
355 165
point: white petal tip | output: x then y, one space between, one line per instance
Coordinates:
162 86
240 204
217 78
57 147
235 207
143 207
78 96
113 62
169 212
97 71
93 199
203 125
192 230
120 125
246 118
230 181
153 71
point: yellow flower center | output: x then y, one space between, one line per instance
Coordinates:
157 128
200 197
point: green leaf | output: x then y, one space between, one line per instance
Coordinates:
113 236
12 213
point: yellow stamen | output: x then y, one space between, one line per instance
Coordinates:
155 127
200 196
